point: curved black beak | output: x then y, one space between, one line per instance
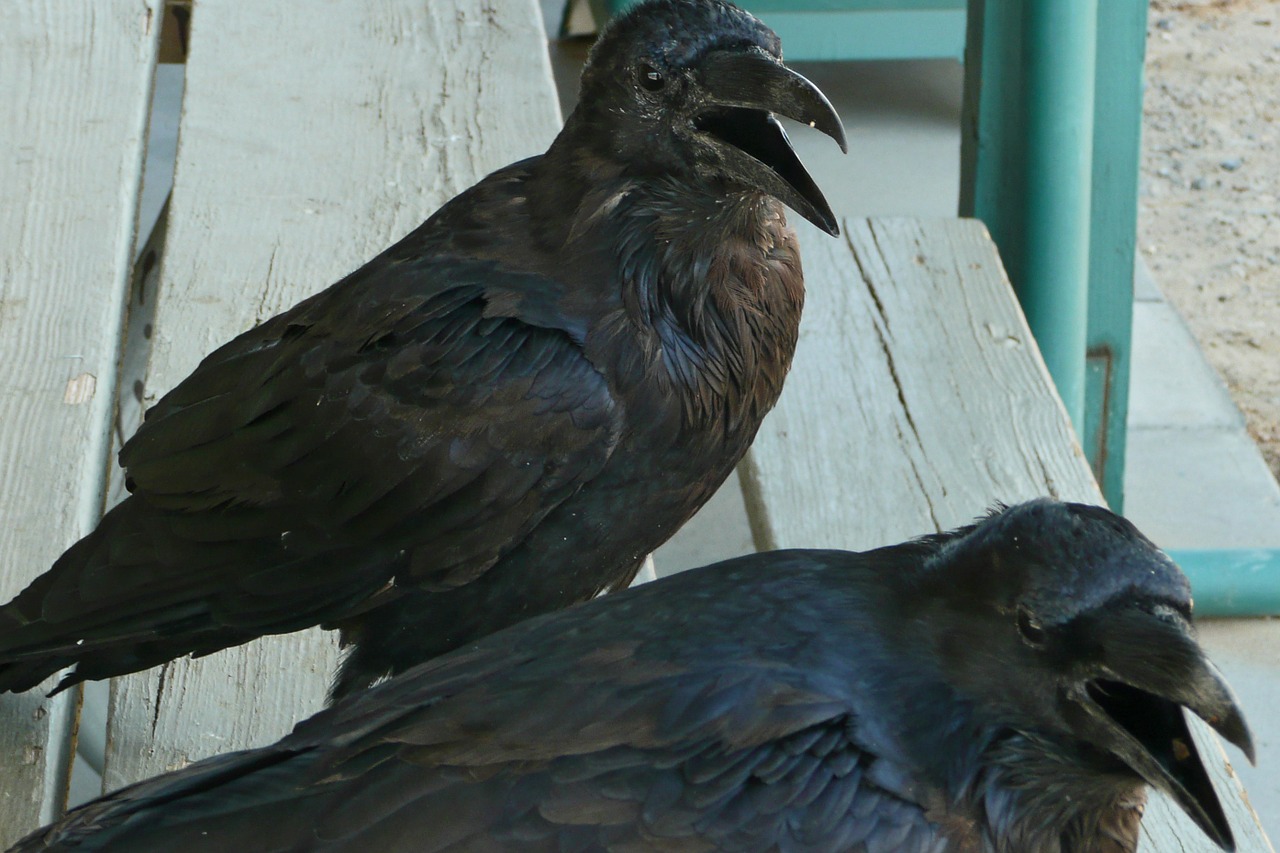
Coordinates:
1154 670
743 90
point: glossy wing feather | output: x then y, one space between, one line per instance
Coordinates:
594 729
387 428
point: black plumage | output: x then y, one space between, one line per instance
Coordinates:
1012 686
500 415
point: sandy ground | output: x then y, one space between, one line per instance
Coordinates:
1209 216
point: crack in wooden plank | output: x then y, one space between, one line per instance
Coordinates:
160 683
881 336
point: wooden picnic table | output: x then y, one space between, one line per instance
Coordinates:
316 132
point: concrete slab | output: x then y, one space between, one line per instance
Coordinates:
1248 653
1201 488
902 120
1145 288
1171 384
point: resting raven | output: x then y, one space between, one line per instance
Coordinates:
500 415
1012 686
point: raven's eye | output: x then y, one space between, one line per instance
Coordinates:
651 78
1030 629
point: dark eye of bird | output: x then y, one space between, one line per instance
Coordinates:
651 78
1031 630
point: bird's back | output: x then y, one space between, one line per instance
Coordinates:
702 713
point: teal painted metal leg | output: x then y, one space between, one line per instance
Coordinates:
1060 59
1027 154
1117 132
1233 582
991 174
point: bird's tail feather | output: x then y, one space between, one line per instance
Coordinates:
132 594
71 614
96 825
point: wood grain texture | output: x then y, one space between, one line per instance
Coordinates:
933 397
74 96
301 157
917 399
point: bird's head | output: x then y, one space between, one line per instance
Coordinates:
1088 641
689 89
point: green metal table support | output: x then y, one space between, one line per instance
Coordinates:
1117 145
1049 161
1233 582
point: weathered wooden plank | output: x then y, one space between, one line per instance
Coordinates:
75 80
929 394
916 400
313 135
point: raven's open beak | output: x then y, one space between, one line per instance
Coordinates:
1155 669
744 89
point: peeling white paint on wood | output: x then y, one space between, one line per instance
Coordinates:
917 399
80 389
299 159
73 108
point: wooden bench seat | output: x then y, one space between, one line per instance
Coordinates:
73 105
314 134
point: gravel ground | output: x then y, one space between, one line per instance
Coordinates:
1209 216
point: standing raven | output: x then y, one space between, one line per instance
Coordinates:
500 415
1012 686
